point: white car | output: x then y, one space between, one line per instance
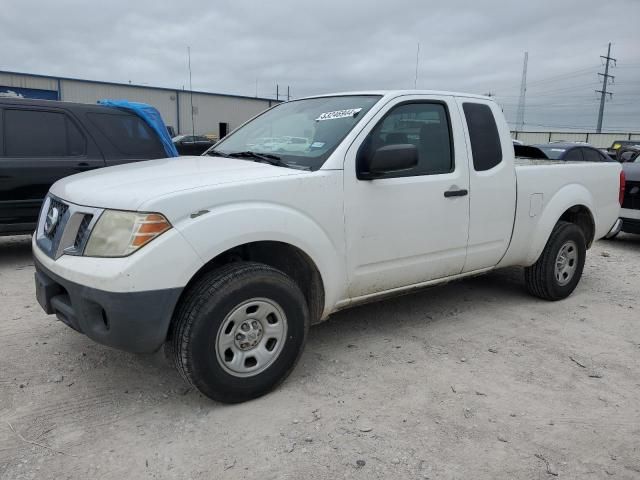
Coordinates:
226 259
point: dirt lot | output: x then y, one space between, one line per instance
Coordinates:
473 380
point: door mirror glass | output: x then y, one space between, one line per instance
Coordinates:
393 158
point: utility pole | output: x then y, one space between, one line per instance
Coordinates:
288 94
193 125
415 81
523 91
277 92
605 81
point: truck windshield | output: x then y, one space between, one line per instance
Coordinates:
297 134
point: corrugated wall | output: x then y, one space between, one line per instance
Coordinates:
211 110
85 92
599 140
25 81
174 105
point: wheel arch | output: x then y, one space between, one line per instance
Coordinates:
574 204
282 256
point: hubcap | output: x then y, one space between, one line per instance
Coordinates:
251 337
566 263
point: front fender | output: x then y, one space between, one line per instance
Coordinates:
228 226
568 196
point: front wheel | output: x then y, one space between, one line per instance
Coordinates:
239 331
558 270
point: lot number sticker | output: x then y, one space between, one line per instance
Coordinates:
351 112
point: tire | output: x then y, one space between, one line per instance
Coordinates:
542 279
222 331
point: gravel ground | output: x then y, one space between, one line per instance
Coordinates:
472 380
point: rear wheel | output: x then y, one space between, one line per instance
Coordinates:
239 331
558 270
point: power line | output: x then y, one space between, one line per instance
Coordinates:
605 81
564 76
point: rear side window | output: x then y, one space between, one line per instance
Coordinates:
483 135
592 155
33 133
128 134
574 155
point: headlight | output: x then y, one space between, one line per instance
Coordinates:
118 233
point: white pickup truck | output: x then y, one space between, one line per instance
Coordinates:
227 258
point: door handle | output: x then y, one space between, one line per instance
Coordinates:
456 193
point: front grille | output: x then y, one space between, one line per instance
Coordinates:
61 208
83 232
64 228
631 198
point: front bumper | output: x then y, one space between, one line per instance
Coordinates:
132 321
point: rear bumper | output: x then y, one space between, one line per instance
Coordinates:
131 321
631 225
615 229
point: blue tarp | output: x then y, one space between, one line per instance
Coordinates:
151 116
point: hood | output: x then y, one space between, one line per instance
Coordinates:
631 171
126 187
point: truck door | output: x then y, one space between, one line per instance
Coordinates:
492 182
410 226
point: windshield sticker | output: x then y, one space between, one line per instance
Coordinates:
351 112
317 145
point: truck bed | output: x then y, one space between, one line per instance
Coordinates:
546 189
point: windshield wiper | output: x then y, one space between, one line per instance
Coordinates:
267 158
259 156
216 153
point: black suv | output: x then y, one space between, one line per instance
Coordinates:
42 141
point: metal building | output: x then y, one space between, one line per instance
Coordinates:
214 114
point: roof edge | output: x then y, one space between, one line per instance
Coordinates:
135 85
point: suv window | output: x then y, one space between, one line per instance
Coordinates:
574 155
425 125
34 133
128 133
483 135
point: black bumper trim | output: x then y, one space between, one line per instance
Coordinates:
630 225
132 321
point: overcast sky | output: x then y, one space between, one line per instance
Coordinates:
328 45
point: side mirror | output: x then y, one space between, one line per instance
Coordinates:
390 158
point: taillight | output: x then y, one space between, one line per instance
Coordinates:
623 181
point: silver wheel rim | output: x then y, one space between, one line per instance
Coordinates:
251 337
566 263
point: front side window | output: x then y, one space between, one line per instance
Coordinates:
424 125
300 133
483 135
33 133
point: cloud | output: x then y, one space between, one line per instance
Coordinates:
319 47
